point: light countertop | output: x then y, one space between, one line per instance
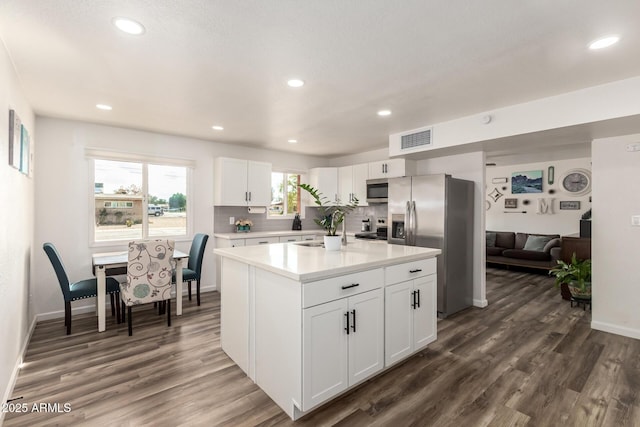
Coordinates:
305 264
261 234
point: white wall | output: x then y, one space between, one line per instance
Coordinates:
62 190
469 166
561 222
16 232
615 242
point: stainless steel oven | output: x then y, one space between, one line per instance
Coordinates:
377 190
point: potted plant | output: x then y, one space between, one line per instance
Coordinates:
243 225
576 275
331 215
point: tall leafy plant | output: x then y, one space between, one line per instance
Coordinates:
577 273
331 215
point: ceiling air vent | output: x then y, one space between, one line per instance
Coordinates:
419 139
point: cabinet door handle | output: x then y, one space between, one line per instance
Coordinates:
249 195
354 321
417 270
263 243
347 316
353 285
418 294
413 300
382 168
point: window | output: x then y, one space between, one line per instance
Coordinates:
285 197
139 200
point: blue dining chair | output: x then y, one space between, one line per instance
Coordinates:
194 265
86 288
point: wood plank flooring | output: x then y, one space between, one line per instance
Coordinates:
527 359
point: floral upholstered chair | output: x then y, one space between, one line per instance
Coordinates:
149 270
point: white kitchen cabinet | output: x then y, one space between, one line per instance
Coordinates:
325 180
242 182
261 241
410 317
342 345
392 168
285 239
352 183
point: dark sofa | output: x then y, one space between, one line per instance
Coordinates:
523 249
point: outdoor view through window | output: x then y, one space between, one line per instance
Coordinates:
285 198
125 211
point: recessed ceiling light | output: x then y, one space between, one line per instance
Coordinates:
384 112
217 127
604 42
295 83
104 107
292 141
128 26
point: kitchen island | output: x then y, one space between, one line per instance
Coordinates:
307 324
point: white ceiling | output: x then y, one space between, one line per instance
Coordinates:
206 62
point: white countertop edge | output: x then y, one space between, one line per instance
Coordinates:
335 272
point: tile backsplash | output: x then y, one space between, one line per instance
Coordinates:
221 216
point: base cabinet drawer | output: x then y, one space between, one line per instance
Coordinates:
321 291
410 270
261 241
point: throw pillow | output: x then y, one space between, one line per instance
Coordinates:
491 239
536 243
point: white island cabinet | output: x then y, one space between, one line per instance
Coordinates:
307 324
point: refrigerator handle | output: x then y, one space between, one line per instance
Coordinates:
414 224
407 224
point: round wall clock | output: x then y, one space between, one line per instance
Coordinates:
576 182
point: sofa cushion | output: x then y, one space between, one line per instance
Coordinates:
553 243
494 250
491 239
525 254
505 239
521 240
536 243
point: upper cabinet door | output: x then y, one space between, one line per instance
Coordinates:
396 168
345 184
360 176
259 183
230 182
392 168
325 180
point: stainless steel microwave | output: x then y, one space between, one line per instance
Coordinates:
377 190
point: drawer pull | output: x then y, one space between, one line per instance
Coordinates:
353 285
417 270
263 243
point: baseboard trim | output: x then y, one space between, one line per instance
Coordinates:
615 329
16 369
481 303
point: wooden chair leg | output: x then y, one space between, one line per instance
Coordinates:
198 290
168 312
117 298
67 316
189 287
130 321
123 311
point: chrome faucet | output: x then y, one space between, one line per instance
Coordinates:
344 232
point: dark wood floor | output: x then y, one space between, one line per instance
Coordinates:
527 359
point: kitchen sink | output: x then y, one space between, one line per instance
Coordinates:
310 244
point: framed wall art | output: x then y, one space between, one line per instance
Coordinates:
499 180
25 150
15 139
526 182
569 205
510 203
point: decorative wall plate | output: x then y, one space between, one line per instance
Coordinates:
495 194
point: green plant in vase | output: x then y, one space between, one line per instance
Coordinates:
331 214
576 275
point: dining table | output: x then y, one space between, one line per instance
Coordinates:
115 264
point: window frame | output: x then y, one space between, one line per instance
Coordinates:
144 160
303 204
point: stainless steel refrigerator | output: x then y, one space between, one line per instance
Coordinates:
436 211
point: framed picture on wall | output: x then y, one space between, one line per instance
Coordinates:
526 182
569 205
15 139
510 203
25 151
